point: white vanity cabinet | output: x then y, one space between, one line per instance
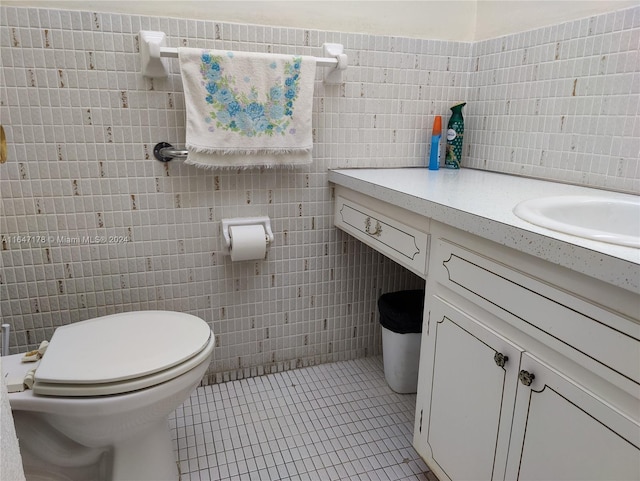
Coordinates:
527 371
530 354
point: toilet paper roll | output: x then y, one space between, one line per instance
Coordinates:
247 242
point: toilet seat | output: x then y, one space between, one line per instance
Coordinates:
120 353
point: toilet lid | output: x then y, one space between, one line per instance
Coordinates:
121 347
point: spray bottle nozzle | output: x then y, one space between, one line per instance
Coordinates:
437 126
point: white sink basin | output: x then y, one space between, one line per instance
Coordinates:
605 219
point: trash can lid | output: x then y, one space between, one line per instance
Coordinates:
402 311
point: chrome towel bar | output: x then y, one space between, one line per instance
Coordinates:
164 152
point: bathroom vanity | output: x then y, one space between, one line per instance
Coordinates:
530 357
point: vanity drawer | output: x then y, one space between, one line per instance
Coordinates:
600 339
391 235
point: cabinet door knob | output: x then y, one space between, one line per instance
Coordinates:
367 227
526 377
500 359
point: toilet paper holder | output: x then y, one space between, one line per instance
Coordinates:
264 221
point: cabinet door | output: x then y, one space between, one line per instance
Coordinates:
561 431
471 396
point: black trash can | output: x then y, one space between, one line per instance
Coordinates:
401 319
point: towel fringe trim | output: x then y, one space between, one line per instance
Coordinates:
271 165
238 151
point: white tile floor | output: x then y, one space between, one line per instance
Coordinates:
336 421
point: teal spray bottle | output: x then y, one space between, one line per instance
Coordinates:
455 134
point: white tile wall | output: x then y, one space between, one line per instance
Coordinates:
560 102
82 122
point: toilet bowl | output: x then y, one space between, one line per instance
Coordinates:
102 394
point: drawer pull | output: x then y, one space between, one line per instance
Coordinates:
367 227
500 359
526 377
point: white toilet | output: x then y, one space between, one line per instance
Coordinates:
102 394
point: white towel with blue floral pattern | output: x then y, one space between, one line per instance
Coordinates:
247 109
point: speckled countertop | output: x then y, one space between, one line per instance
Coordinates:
482 203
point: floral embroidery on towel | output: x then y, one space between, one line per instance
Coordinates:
243 112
